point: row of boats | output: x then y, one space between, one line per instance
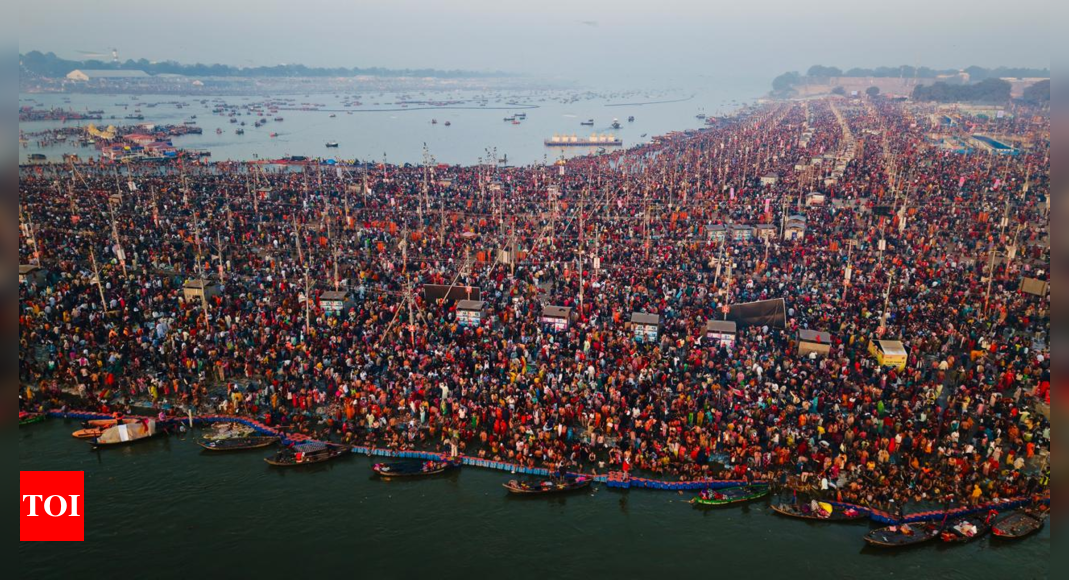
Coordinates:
231 437
957 530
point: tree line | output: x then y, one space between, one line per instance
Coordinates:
48 65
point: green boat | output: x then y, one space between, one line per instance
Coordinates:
30 418
731 495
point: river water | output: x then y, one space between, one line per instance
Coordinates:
380 126
165 509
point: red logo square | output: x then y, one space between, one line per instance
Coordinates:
51 506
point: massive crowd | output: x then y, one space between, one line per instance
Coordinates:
936 242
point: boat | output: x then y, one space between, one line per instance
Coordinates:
904 535
278 119
238 443
699 116
512 118
229 430
825 512
30 418
239 131
732 495
434 121
515 122
521 116
88 433
549 486
274 135
631 119
447 123
218 131
616 123
1019 524
332 144
332 115
594 140
306 453
412 468
128 433
588 122
967 528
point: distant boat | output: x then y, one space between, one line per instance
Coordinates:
512 118
239 131
631 119
434 121
218 131
333 144
515 122
699 116
332 115
615 123
274 134
588 122
447 123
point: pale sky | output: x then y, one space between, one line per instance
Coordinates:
573 39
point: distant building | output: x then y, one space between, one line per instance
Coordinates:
92 75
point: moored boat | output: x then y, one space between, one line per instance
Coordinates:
128 433
412 468
903 535
967 528
732 495
30 418
238 443
1019 524
306 453
823 512
549 486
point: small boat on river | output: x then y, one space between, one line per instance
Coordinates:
549 486
731 495
967 528
904 535
306 453
824 512
412 468
1020 523
238 443
128 433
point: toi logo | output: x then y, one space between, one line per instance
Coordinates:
51 506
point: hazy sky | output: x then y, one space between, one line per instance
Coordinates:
573 39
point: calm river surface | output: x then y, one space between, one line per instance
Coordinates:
381 126
164 509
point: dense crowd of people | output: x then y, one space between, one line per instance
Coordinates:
936 244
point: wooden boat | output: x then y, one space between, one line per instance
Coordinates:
238 443
228 431
307 453
128 433
100 423
1019 524
904 535
548 486
825 513
412 468
30 418
732 495
89 433
967 528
